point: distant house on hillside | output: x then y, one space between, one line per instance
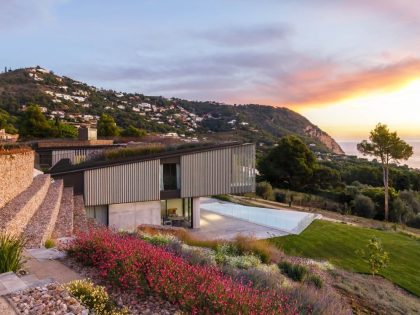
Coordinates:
160 188
7 137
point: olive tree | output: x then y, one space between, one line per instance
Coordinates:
388 148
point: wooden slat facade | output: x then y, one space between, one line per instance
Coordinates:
122 183
224 171
206 173
218 171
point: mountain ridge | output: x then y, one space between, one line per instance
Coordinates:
79 103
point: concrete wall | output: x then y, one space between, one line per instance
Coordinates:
16 173
128 216
196 213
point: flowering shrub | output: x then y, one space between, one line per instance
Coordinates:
158 239
93 297
136 265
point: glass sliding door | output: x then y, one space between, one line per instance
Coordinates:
177 212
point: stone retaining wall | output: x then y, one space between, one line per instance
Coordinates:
16 214
16 172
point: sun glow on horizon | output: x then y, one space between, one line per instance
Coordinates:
354 118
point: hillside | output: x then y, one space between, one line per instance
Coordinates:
79 103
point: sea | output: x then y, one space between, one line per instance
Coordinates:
350 148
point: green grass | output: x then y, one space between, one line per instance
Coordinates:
338 242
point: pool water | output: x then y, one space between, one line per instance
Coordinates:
289 221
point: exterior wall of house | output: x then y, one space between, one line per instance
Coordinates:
196 213
125 183
75 156
128 216
223 171
243 169
216 171
206 173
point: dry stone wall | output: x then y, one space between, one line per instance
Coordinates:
16 172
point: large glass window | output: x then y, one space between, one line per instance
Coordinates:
177 212
170 176
99 213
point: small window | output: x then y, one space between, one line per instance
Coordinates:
170 176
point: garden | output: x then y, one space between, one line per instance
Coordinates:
243 276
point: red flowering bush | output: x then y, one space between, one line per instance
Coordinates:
136 265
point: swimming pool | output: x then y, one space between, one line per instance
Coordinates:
289 221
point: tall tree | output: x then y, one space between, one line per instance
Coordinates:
33 123
291 164
389 148
107 126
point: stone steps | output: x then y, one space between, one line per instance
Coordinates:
80 218
17 213
42 223
64 224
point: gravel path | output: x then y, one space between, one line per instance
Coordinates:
48 299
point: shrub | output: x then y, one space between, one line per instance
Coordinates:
401 211
241 262
376 257
133 264
198 255
11 252
158 239
264 190
280 196
316 281
415 221
261 248
264 277
364 206
243 244
222 197
294 271
49 243
93 297
119 153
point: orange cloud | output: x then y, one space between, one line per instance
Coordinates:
346 86
316 84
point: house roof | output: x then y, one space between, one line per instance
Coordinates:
64 166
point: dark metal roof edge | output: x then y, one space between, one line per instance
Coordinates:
135 159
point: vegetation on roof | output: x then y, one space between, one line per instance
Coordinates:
13 148
149 149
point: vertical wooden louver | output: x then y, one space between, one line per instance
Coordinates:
122 183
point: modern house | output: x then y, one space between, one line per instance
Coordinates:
160 188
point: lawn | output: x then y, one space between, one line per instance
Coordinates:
338 242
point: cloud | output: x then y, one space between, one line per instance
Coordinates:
328 85
247 36
19 14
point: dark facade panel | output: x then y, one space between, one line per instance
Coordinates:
122 183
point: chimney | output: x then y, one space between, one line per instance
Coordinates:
87 134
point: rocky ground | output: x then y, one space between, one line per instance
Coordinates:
135 303
48 299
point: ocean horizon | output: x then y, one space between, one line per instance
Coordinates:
350 148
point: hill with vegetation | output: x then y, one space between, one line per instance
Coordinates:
67 100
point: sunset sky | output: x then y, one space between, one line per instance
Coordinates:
345 65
